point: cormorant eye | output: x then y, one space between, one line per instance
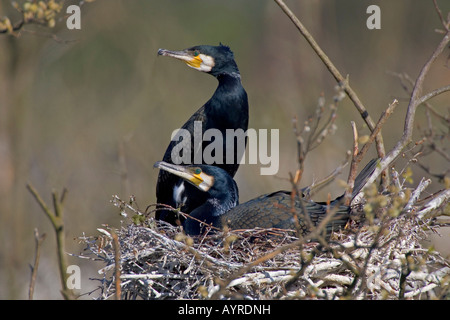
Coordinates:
196 53
198 171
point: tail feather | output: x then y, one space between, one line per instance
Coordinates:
363 176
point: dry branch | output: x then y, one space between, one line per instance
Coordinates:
357 155
56 219
337 75
39 239
415 100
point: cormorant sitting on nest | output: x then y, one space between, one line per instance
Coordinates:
273 210
227 109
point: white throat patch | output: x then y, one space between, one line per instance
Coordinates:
178 195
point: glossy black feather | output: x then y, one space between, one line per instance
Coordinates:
273 210
226 109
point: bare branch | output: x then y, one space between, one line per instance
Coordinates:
432 94
318 185
336 74
56 219
445 24
442 198
414 102
39 240
116 245
358 155
353 166
416 194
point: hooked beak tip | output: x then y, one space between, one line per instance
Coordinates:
157 164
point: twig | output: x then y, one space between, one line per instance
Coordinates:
224 284
180 245
432 94
56 219
445 24
429 135
337 75
257 277
383 118
414 102
116 246
357 154
318 185
39 240
309 137
353 166
48 35
424 183
424 99
442 198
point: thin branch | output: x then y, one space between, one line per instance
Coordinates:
117 265
433 93
357 154
424 183
353 166
39 240
42 204
414 102
383 118
318 185
56 219
442 198
445 24
336 74
309 137
10 28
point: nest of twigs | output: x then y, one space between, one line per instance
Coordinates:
382 258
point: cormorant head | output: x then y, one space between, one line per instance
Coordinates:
215 60
211 179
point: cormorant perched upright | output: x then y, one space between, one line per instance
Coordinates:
273 210
226 109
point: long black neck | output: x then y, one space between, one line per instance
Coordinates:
230 92
228 109
229 102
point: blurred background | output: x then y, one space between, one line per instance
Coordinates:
91 110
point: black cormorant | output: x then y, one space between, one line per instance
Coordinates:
273 210
226 109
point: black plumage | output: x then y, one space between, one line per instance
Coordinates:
274 210
226 109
